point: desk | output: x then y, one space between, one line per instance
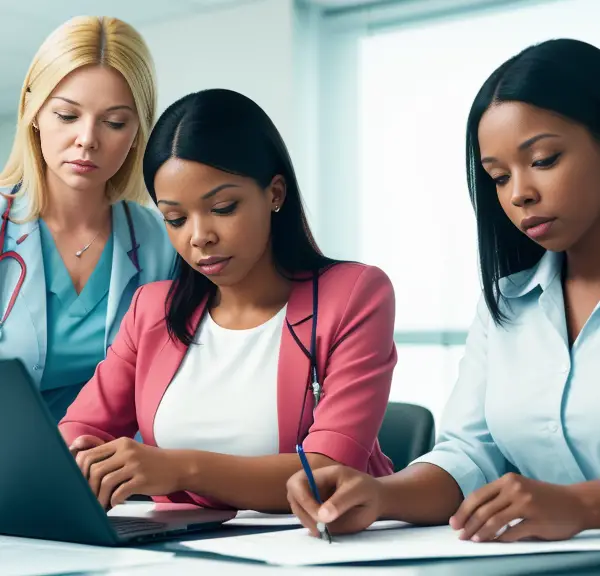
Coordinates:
186 562
573 564
193 564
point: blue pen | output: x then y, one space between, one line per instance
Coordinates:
321 527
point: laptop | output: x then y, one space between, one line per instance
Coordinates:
43 494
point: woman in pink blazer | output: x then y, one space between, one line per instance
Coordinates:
215 369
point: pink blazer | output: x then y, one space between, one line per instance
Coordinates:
356 356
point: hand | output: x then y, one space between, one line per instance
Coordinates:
116 470
542 511
353 504
84 443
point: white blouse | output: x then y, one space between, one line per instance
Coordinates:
223 398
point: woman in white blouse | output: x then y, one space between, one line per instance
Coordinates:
519 451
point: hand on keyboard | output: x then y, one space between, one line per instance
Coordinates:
115 470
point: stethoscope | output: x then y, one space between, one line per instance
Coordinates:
133 253
311 354
15 256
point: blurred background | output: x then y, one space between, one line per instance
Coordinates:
372 99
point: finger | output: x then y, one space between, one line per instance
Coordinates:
350 494
99 470
110 483
483 514
84 443
523 530
472 503
302 503
497 523
305 518
300 493
125 490
86 458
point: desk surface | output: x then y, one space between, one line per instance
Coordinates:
192 563
575 564
186 562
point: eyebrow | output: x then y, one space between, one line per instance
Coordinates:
110 109
524 145
206 196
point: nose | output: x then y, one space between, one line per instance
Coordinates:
87 137
523 192
202 233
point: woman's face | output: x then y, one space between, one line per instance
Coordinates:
87 127
546 170
219 223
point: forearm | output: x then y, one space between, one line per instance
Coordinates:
243 482
589 495
420 494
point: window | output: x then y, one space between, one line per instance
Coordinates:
416 85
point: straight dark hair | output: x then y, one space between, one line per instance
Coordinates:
228 131
561 76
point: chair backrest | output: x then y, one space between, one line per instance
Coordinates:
407 432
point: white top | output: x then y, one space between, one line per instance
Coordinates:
223 398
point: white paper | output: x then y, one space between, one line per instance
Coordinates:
133 509
253 518
242 518
384 541
29 557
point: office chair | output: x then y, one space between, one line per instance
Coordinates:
407 432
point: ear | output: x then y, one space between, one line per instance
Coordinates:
277 191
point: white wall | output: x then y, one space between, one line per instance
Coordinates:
7 132
255 48
245 47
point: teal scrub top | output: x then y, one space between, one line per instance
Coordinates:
76 325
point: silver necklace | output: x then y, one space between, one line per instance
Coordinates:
80 252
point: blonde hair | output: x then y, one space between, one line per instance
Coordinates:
82 41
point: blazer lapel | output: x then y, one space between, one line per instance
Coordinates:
293 369
122 273
292 372
164 367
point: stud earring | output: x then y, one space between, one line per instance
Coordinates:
35 126
276 208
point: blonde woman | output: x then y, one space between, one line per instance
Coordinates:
75 241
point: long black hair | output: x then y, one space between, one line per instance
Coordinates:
562 76
228 131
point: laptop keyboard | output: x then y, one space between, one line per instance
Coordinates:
131 526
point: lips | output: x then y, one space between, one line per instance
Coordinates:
537 227
213 266
212 260
85 163
534 221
